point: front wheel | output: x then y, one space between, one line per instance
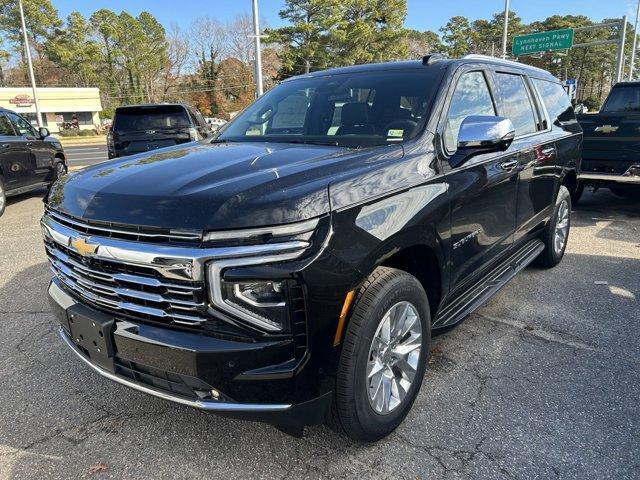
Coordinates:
556 233
384 356
59 170
3 197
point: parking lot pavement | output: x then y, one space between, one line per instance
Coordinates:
85 154
542 382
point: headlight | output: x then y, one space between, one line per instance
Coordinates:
265 302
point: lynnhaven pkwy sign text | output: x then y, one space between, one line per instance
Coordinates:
543 41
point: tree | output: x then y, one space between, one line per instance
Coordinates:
458 36
420 44
306 41
73 49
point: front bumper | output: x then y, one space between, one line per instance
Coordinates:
191 369
630 176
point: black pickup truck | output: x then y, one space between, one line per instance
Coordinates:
611 148
292 270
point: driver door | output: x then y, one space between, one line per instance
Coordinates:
40 155
483 190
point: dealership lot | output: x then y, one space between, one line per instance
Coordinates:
542 382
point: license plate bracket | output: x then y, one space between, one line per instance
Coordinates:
92 333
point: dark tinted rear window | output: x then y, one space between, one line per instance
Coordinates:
623 99
150 118
556 100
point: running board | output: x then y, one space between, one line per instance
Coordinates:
488 285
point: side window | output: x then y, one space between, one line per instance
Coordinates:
471 97
21 125
6 130
516 103
556 100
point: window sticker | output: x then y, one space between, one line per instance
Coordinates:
395 133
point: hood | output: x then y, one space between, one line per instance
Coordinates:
208 186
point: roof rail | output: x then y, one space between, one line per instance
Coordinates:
432 58
477 56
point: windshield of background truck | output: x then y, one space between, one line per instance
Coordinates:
349 109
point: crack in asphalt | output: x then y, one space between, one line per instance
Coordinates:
556 337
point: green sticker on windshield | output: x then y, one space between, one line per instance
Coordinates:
395 133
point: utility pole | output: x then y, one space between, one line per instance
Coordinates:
258 62
635 41
506 26
620 63
28 54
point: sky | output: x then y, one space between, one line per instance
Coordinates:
422 14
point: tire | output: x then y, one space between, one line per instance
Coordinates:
354 410
3 196
552 255
576 195
59 170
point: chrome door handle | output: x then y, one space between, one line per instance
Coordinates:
549 151
509 165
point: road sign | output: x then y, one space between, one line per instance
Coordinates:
570 81
543 41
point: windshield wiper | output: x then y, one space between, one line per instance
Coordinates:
333 143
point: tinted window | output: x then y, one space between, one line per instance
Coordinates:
516 103
6 130
471 97
349 109
556 100
150 118
21 125
623 99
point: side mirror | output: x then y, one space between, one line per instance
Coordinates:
482 134
44 132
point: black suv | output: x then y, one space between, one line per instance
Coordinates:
292 270
140 128
29 158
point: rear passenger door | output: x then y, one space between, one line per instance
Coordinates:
535 146
483 190
14 156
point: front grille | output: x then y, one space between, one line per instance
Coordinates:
126 232
132 291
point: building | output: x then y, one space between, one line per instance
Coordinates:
60 107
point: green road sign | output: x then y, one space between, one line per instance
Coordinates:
543 41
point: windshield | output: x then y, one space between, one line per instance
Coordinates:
354 110
623 99
150 118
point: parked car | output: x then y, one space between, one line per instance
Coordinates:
140 128
293 269
610 157
215 123
29 158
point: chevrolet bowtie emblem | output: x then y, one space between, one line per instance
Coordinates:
84 248
606 129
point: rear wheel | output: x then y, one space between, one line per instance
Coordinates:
384 355
3 197
556 233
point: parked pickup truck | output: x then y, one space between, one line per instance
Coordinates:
292 269
611 148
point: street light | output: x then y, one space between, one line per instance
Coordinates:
505 30
258 62
28 55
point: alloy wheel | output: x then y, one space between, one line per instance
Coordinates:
394 357
562 227
60 170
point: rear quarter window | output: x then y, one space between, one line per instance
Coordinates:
556 100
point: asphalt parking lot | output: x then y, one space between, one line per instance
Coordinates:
542 382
